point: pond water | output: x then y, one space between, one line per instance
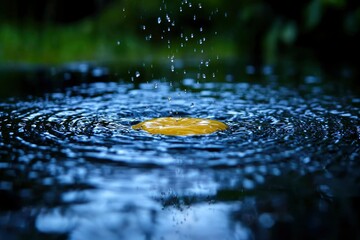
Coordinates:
71 167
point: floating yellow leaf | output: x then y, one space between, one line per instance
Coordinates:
180 126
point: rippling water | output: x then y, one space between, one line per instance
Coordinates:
71 166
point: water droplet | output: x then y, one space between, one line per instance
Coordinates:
201 29
207 63
123 9
169 99
143 27
118 42
190 5
172 68
181 9
192 35
159 20
194 17
200 6
137 74
148 37
204 75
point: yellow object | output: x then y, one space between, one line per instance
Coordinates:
180 126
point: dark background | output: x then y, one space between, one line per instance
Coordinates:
257 31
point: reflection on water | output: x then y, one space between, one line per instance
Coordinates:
71 166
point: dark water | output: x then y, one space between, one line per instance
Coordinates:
71 167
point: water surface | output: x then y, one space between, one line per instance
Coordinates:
71 167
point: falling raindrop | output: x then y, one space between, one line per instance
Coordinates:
137 74
159 20
148 37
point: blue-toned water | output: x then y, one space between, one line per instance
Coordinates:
71 167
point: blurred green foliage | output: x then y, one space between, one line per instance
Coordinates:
257 31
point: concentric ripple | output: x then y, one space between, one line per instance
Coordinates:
70 163
267 125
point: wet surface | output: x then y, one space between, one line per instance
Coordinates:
71 167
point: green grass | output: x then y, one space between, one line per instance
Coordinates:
83 42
